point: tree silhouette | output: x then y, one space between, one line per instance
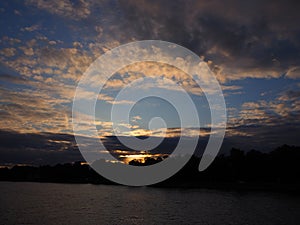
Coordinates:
277 169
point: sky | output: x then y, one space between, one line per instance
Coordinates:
253 48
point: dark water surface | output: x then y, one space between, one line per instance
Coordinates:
46 203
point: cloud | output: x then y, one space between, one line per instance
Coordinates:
283 110
65 8
293 73
37 149
99 31
52 43
10 40
8 52
52 148
31 28
250 39
12 79
27 51
77 44
160 75
32 112
36 105
237 43
17 12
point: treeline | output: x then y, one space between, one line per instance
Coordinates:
60 173
253 169
277 169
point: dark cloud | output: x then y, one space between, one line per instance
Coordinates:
246 34
53 148
262 137
12 79
39 149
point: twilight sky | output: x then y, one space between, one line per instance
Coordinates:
253 47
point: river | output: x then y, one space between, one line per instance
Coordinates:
50 203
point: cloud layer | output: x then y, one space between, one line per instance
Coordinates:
46 46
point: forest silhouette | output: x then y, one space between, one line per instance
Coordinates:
276 170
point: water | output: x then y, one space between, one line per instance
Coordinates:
46 203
